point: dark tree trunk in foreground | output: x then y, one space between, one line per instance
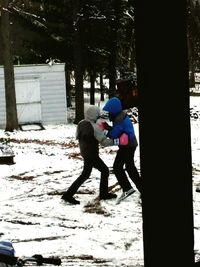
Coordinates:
11 109
165 141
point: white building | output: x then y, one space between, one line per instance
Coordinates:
40 94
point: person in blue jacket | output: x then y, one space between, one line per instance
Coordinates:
121 124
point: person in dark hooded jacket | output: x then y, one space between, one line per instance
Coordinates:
90 135
125 154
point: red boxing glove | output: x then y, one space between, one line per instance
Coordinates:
123 140
101 125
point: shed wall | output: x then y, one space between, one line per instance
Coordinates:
2 104
52 92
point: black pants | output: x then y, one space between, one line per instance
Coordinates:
89 163
125 157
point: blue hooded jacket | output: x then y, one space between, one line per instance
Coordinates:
121 121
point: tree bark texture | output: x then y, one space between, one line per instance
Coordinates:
79 94
11 109
164 133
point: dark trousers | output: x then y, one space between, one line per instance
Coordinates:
89 163
125 157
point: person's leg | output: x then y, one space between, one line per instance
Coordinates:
118 168
87 168
132 170
103 188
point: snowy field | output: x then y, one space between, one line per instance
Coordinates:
93 233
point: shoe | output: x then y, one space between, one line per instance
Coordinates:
125 195
70 199
108 196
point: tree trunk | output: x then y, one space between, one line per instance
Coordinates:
11 109
164 133
101 88
68 88
114 25
92 87
78 65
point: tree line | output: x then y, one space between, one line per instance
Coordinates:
92 37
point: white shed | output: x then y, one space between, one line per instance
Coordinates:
40 94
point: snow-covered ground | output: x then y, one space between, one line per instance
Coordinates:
93 233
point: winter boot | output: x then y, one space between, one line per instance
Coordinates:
70 199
